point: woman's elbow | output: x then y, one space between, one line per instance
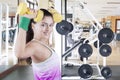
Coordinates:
18 54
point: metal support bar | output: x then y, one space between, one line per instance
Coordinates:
0 31
104 61
7 32
15 37
70 49
4 22
86 10
98 52
84 60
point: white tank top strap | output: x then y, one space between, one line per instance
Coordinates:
44 45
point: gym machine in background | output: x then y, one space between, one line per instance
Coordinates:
7 36
4 23
104 36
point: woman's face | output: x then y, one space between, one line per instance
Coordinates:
43 29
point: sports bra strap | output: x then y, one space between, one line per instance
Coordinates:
43 44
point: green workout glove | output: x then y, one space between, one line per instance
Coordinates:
24 23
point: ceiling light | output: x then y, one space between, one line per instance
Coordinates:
109 7
113 2
105 11
101 13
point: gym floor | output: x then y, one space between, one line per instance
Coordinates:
21 73
25 73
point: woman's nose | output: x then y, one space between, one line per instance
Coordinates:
47 28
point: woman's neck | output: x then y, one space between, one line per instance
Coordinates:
42 40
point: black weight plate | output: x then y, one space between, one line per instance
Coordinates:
105 35
85 50
71 27
96 42
105 50
63 27
106 72
85 71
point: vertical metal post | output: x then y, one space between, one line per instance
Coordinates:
98 52
65 19
15 36
84 60
104 61
7 31
0 31
62 41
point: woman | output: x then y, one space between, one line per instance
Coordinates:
45 61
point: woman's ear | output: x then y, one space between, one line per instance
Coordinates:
33 26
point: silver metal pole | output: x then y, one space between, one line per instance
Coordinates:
7 32
15 37
84 60
104 61
0 31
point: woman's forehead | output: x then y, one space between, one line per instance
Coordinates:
47 19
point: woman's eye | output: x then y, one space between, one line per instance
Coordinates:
43 25
51 25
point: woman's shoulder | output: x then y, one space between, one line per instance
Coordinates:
31 44
35 47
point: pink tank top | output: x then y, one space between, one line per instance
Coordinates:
49 69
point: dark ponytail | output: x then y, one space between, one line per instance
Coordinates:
29 33
29 37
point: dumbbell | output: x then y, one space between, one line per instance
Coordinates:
56 16
23 9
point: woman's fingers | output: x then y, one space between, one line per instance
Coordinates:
32 14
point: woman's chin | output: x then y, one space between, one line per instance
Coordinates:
46 37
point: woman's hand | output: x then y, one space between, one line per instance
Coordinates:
25 19
32 14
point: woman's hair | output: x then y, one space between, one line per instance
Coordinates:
46 13
30 33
